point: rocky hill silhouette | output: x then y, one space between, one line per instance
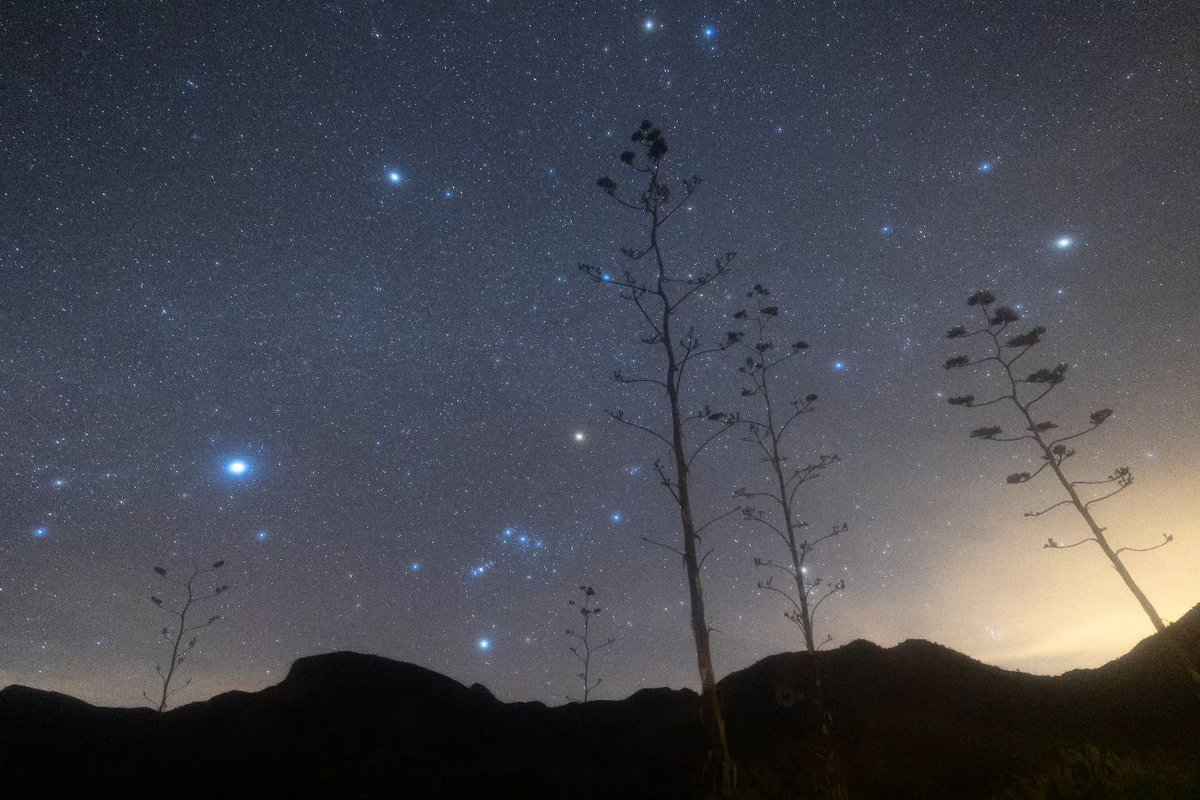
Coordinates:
917 720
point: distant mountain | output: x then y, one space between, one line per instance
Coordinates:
917 720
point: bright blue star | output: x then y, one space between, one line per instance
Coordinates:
649 25
237 467
415 566
709 32
395 177
1063 242
986 166
886 230
59 483
484 644
448 194
616 517
508 533
607 277
41 533
839 366
261 536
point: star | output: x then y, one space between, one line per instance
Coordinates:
709 32
886 230
839 366
580 436
237 467
395 177
649 26
414 566
484 644
41 533
1063 243
261 536
985 166
616 517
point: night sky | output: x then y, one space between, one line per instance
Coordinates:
337 244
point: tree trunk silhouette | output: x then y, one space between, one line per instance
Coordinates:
658 298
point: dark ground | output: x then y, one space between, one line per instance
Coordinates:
914 721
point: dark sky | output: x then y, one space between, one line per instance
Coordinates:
338 242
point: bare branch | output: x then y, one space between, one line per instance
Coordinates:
1083 432
722 267
620 378
1167 539
674 550
837 530
718 518
1059 504
834 589
1113 493
767 585
619 416
762 562
1053 545
665 479
726 427
754 515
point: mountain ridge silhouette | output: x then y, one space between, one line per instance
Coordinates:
917 719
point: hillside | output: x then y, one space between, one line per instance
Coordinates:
917 720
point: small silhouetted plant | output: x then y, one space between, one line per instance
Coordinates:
583 648
1005 346
181 636
770 427
660 296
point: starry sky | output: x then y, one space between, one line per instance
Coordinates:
295 285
